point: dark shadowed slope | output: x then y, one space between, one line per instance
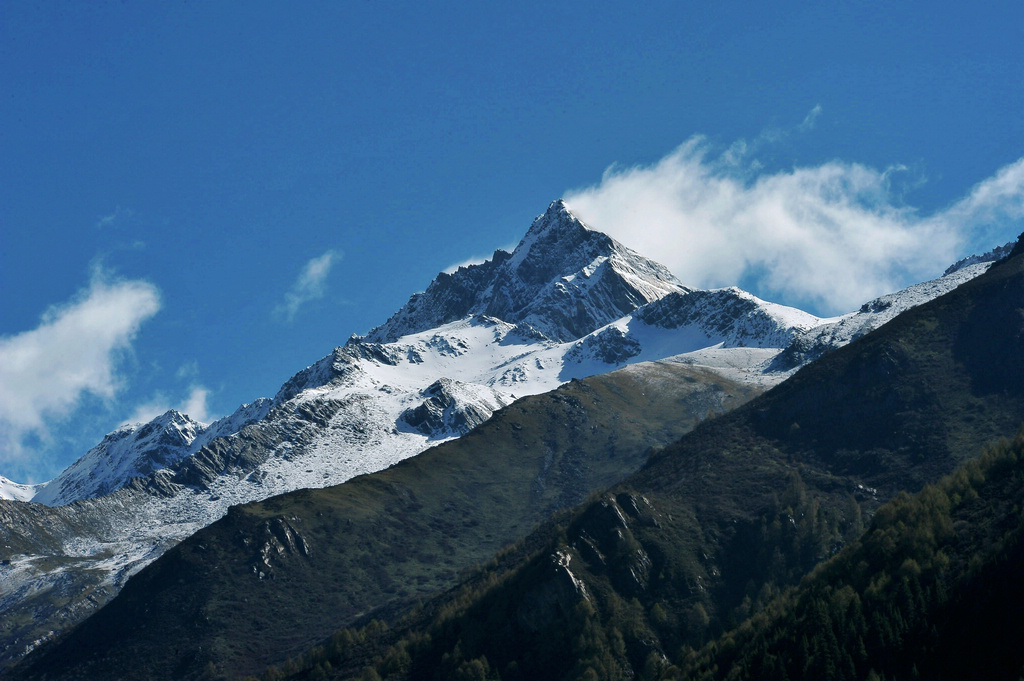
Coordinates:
933 590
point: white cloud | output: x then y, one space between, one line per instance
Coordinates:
993 202
75 350
311 285
827 237
194 405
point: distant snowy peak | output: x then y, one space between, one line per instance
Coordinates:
138 450
130 451
563 279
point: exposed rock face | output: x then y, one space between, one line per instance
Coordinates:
277 537
452 408
553 597
605 540
611 345
600 543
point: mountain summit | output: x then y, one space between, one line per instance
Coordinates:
563 279
704 534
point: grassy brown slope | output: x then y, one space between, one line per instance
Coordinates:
744 505
377 543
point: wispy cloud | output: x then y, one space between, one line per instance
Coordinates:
310 286
194 405
810 119
993 202
742 152
188 370
75 350
119 216
826 237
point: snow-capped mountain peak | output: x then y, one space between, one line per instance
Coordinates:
555 234
563 279
568 302
130 451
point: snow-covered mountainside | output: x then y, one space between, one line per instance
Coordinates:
568 302
13 491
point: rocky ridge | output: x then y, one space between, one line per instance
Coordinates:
563 280
139 450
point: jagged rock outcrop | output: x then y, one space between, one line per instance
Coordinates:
997 253
452 408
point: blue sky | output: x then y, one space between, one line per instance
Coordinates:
199 199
